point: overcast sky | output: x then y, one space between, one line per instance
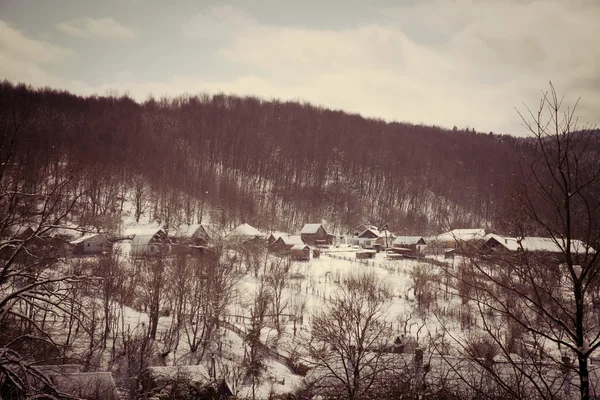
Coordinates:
439 62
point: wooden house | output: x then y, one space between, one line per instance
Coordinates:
385 239
410 245
86 385
151 244
366 254
300 252
284 244
244 232
315 234
533 244
93 243
368 238
193 234
456 238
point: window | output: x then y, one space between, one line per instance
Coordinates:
151 248
88 244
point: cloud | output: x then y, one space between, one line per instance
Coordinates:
24 59
463 62
106 28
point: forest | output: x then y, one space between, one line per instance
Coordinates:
275 165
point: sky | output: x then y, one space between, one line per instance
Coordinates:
464 63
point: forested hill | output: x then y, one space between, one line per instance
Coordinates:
275 165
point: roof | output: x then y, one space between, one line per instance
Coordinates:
245 230
408 240
532 243
310 228
195 373
142 230
300 247
374 230
87 385
85 237
292 240
143 240
462 234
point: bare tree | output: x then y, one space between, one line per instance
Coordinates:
348 336
539 307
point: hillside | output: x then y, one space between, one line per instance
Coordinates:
273 164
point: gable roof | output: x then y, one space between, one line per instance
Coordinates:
311 228
143 240
291 240
408 240
532 243
245 230
300 247
86 237
87 385
373 230
462 234
191 230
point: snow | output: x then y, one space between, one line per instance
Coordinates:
407 240
245 230
149 229
462 234
310 228
186 230
292 240
84 238
299 247
531 243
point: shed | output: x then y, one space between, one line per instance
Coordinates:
194 234
315 234
151 244
366 254
86 385
415 243
93 243
300 252
285 243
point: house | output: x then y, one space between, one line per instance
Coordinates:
456 238
284 244
148 244
86 385
166 380
244 232
315 234
385 239
93 243
300 252
193 234
531 243
368 237
366 254
414 244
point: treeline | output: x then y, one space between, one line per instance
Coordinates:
273 164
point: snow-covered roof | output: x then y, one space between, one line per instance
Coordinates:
532 243
188 230
84 238
310 228
142 230
299 247
462 234
407 240
142 240
245 230
372 229
196 373
292 240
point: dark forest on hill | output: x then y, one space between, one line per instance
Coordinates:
275 165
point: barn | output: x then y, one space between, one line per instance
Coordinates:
315 234
416 244
300 252
93 243
150 244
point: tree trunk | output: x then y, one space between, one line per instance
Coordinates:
584 378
